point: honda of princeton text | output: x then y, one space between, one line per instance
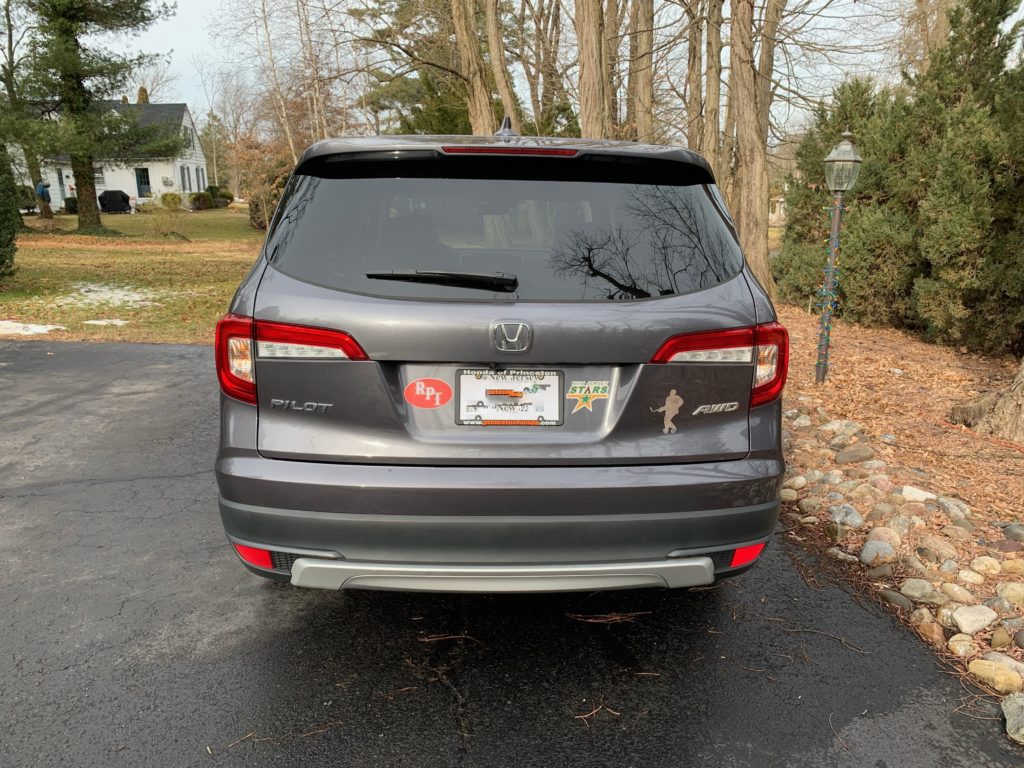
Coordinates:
500 364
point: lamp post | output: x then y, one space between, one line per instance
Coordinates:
841 168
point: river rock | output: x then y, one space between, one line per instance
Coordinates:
835 477
879 572
910 493
932 633
1016 567
1013 711
839 554
876 552
967 576
961 645
788 494
973 618
1015 532
888 535
915 588
955 508
865 492
956 532
1013 591
996 676
1000 638
1007 661
958 593
814 475
895 598
881 482
855 454
986 565
844 514
809 506
1018 639
949 566
935 549
944 615
1000 605
913 564
920 616
796 482
801 422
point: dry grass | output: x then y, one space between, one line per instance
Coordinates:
193 279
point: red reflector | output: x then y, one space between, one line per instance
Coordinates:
543 151
254 556
746 555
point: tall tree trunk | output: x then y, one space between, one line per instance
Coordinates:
85 192
766 64
694 113
612 26
282 109
590 40
642 70
496 48
1006 420
751 208
35 173
467 41
713 87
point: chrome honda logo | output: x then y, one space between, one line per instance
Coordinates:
511 337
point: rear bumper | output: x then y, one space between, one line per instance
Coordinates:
331 574
478 528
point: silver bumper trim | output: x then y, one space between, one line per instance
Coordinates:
340 574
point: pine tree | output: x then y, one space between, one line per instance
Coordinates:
75 71
10 218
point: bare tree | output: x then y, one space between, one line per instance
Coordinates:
641 70
467 41
594 118
496 48
711 143
158 77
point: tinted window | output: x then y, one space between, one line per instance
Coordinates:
563 240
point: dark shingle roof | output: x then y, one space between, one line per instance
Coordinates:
153 114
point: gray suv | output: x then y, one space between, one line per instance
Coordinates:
502 364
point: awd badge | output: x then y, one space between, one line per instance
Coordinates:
585 393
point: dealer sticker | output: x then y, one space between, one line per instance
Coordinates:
585 393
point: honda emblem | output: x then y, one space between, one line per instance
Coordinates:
511 336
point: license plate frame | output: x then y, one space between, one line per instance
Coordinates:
478 414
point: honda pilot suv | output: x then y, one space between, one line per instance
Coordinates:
504 364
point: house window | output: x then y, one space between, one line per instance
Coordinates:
183 189
200 179
97 174
188 175
186 135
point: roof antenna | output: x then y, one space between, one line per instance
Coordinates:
506 131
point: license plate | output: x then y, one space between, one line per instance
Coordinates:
510 398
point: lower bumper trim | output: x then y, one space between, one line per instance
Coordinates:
340 574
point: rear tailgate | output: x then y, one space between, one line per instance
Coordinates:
445 382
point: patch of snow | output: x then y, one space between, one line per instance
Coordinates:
105 322
95 294
26 329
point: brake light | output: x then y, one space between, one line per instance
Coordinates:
254 556
299 342
766 346
233 353
541 151
746 555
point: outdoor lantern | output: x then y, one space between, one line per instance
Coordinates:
842 165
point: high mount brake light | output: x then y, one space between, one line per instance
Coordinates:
234 350
766 346
536 151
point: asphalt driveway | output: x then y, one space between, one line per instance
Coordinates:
131 635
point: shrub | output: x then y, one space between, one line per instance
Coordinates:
170 200
71 204
26 197
220 202
10 221
200 201
225 194
213 190
148 207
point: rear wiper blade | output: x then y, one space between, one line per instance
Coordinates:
490 281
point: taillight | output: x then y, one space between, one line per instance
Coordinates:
233 352
240 340
299 342
766 346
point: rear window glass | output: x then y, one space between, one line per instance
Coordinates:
561 240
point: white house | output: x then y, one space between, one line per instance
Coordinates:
144 179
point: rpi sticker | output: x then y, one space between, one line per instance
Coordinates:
428 393
585 393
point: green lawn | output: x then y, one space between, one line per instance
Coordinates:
167 288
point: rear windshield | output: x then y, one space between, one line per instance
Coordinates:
560 240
